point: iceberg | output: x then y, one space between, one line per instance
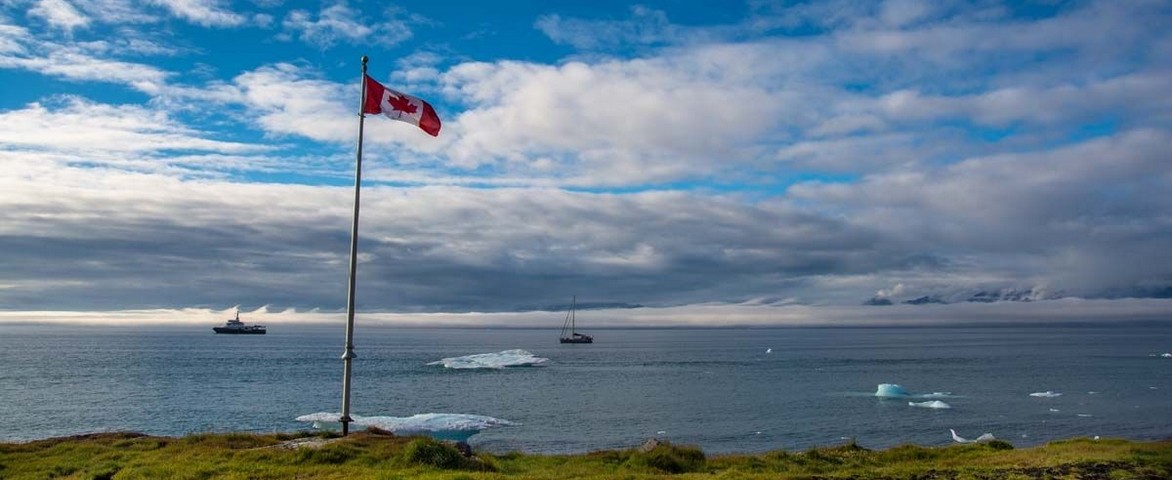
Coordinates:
930 404
936 395
1046 394
441 426
983 438
891 390
498 360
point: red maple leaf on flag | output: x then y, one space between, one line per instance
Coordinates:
401 104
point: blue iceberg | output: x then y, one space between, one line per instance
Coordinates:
891 390
457 427
507 358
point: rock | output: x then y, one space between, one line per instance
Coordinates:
464 448
650 445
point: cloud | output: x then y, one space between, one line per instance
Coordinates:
208 13
83 127
1054 217
341 23
20 49
60 14
726 315
646 120
645 27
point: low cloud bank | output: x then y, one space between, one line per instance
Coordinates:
699 315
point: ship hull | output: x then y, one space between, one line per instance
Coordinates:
577 340
233 331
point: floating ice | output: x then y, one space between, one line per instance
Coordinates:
507 358
930 404
768 350
1084 414
322 420
1046 394
988 437
891 390
1166 355
443 426
1054 410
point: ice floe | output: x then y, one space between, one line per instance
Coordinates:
930 404
507 358
1046 394
891 390
443 426
988 437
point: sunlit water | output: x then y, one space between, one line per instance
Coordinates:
716 388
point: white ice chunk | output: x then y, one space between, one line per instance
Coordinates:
891 390
1054 410
983 438
936 395
507 358
443 426
768 350
321 417
930 404
1046 394
323 420
1166 355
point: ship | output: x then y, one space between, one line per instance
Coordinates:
236 327
568 327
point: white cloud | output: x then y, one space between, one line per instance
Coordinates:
60 14
341 23
744 314
21 50
81 126
645 27
208 13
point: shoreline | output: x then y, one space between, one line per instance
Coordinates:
374 453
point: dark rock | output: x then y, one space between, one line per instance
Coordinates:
464 448
650 444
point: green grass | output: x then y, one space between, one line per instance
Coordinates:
376 455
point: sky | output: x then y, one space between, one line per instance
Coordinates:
682 156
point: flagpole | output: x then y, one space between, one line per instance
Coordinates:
349 355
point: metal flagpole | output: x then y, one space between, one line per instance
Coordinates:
348 355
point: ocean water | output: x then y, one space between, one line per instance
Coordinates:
716 388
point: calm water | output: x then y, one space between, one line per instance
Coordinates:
717 388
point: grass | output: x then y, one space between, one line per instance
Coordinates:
377 455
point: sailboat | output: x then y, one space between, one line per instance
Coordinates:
568 326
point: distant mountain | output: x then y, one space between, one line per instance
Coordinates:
923 300
580 306
991 295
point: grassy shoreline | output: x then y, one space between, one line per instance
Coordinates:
378 455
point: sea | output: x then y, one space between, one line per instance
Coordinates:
726 390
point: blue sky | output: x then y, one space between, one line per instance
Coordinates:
199 154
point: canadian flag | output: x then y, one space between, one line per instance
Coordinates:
400 106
